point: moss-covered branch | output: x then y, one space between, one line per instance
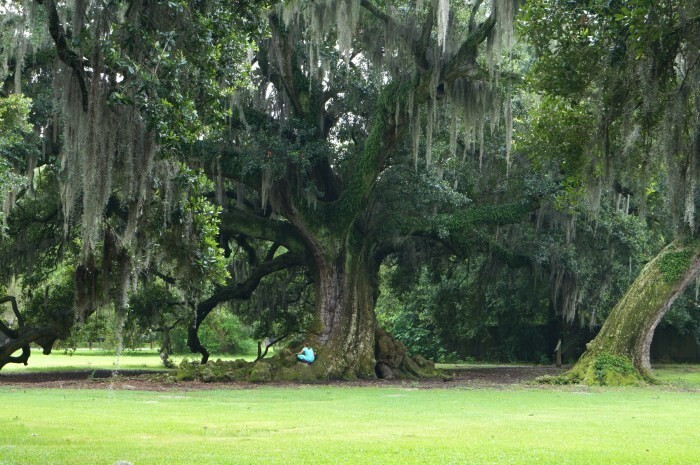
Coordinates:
464 64
387 128
235 222
65 54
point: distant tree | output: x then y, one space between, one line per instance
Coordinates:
628 71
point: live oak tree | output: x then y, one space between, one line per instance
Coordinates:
632 69
129 80
342 92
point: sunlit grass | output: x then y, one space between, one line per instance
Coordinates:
350 425
97 359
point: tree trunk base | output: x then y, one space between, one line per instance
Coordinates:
601 369
392 363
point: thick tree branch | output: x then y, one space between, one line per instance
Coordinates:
240 291
44 336
236 221
472 17
65 54
423 44
463 63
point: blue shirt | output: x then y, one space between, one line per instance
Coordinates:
308 353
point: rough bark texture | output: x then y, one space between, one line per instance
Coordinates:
345 315
619 354
394 362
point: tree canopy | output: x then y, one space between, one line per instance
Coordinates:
164 159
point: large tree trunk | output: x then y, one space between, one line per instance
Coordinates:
346 290
349 343
619 354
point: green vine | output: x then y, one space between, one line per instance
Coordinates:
608 365
673 265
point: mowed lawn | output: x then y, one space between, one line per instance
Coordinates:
97 359
397 424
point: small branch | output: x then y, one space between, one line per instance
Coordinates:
271 253
168 279
268 344
376 12
20 321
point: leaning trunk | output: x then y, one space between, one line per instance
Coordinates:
619 354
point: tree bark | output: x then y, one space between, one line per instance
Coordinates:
344 322
619 354
13 340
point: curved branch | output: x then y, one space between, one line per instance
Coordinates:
44 336
239 291
20 320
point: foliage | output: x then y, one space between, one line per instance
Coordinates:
674 265
609 368
224 333
15 131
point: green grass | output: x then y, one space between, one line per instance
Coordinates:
348 425
344 425
84 359
678 375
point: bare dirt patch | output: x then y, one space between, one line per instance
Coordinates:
499 376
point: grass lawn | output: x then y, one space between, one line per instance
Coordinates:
85 359
355 425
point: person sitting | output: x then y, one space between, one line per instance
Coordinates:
306 355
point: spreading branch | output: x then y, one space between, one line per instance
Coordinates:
65 54
234 222
238 291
